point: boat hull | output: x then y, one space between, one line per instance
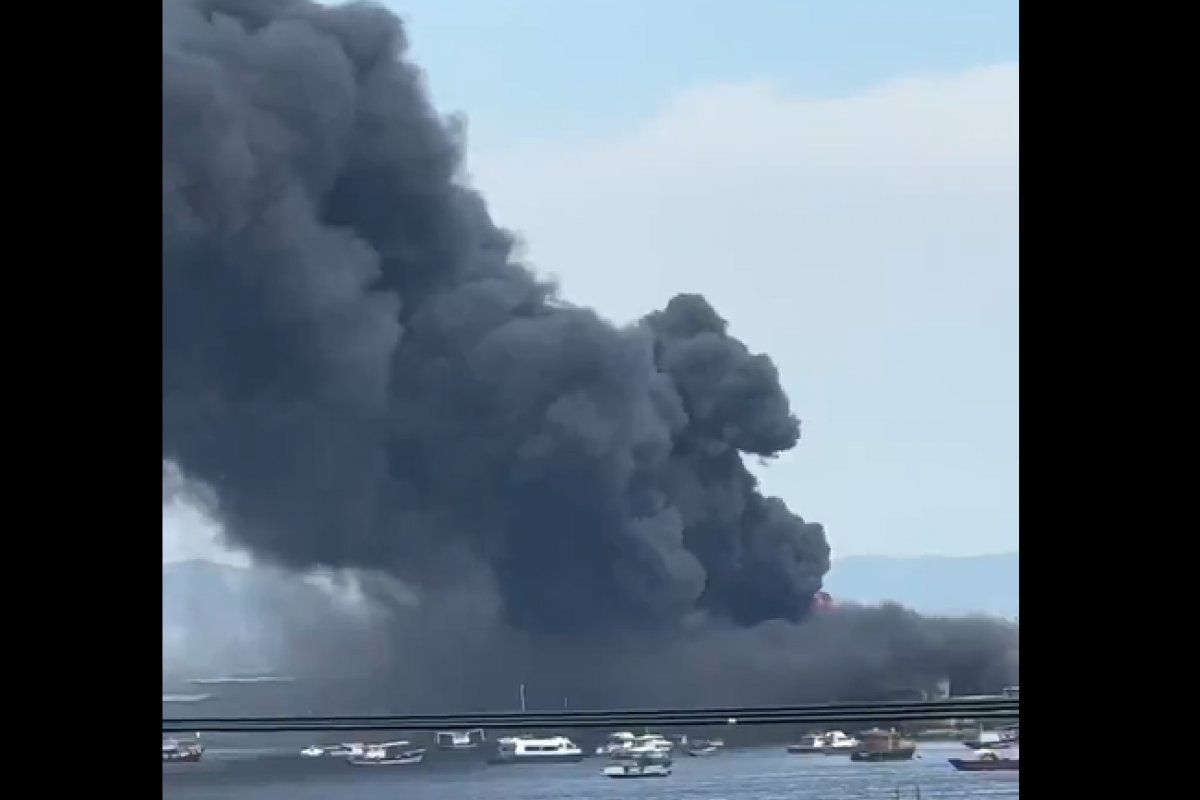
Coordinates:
899 754
826 750
634 772
182 758
986 765
700 752
978 744
406 760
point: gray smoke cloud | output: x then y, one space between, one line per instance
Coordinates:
358 365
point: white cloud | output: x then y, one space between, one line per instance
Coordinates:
868 242
744 181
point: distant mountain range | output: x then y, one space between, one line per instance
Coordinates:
946 585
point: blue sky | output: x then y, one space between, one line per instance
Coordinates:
838 177
529 65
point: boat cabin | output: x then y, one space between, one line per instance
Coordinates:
881 741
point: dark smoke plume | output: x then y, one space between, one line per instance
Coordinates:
358 365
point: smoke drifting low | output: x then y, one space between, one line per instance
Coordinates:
358 366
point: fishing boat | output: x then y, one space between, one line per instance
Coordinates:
388 754
621 740
830 744
176 751
533 750
838 743
881 745
646 764
990 760
701 747
998 738
651 742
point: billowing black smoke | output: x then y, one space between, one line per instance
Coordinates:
357 364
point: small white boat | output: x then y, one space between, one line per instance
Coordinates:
839 742
651 742
534 750
175 750
388 754
831 743
312 751
616 742
460 740
997 738
701 747
646 764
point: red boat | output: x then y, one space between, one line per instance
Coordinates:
881 745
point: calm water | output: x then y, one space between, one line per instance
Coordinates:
759 774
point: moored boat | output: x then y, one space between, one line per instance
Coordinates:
998 738
533 750
176 751
990 760
700 747
881 745
838 743
460 740
652 742
388 754
831 743
621 740
649 763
